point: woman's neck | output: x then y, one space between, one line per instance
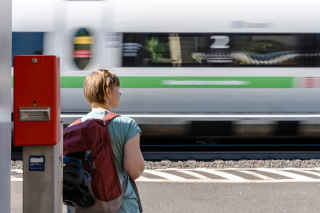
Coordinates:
101 108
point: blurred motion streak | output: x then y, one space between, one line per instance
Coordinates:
204 62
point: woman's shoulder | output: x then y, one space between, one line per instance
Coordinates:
127 125
124 120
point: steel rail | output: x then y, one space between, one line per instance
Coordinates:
224 155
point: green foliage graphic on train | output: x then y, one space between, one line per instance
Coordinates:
158 49
82 48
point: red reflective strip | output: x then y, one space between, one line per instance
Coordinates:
310 82
82 53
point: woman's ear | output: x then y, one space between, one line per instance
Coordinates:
108 92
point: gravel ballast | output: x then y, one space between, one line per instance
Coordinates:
219 164
16 164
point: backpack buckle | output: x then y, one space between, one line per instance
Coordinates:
89 158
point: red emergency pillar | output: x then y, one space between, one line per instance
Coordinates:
36 100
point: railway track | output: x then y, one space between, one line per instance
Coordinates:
175 148
225 155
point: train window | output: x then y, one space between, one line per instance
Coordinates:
27 43
311 49
82 48
220 50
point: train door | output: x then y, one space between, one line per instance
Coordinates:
81 27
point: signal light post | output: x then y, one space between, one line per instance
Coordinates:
37 127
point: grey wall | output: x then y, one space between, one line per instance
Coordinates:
5 104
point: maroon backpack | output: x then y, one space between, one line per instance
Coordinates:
92 135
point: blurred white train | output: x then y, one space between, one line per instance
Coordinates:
200 68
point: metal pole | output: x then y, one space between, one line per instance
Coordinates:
5 104
42 190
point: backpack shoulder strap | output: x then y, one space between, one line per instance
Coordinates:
108 117
135 189
77 121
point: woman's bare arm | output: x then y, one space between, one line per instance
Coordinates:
133 161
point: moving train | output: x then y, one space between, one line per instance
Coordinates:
200 68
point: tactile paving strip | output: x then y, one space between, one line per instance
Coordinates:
180 174
272 175
243 175
304 174
208 175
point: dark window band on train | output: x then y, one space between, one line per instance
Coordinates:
27 43
220 50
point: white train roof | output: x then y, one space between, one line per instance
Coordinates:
185 16
217 16
33 15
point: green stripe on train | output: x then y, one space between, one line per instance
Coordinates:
189 82
71 82
206 82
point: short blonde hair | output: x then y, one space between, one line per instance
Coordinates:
95 85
